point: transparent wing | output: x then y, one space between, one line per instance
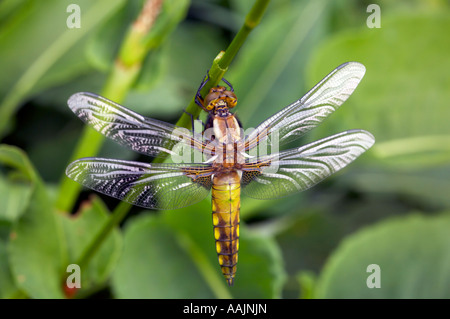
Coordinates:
301 116
142 134
155 186
298 169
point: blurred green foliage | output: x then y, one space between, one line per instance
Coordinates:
389 208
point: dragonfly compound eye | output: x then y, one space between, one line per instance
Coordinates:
211 99
230 98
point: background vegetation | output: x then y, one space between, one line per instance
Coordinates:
391 207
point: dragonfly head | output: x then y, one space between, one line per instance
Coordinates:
219 100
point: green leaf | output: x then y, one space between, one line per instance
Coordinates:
16 187
14 197
429 185
35 249
260 272
154 265
8 287
17 159
80 229
403 97
412 253
172 255
402 101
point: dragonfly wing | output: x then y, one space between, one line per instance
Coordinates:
139 133
298 169
301 116
155 186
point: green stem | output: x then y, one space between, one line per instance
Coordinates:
119 214
252 19
122 76
223 59
215 282
90 142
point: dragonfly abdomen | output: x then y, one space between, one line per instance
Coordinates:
226 203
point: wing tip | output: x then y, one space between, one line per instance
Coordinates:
71 168
368 137
79 164
76 99
356 66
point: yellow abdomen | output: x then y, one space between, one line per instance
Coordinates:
226 203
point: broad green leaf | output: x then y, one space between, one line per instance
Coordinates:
402 101
172 255
14 157
411 252
36 249
429 185
80 230
260 272
154 265
8 288
403 97
14 197
36 255
17 186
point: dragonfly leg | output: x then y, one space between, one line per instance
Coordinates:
229 84
199 101
193 121
198 96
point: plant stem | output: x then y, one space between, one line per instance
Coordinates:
224 58
252 19
215 282
122 76
119 214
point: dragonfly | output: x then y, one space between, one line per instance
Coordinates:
231 164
